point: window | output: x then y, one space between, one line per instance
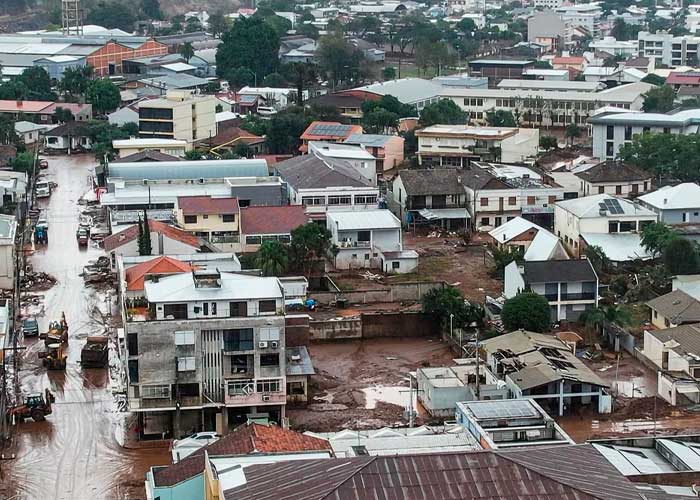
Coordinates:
156 127
484 202
366 256
267 306
531 200
133 370
240 387
175 311
552 199
184 338
155 113
228 218
238 309
268 386
267 334
512 200
628 133
613 226
206 308
610 132
484 221
627 226
155 391
295 388
313 200
269 360
601 189
186 364
618 189
205 216
239 363
253 240
238 340
190 219
667 130
132 344
609 149
339 200
368 199
395 265
363 235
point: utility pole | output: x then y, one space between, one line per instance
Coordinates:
478 360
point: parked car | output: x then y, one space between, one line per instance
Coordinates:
207 437
183 448
43 164
30 327
43 189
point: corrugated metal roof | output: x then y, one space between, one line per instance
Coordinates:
203 169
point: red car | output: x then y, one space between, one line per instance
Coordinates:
43 164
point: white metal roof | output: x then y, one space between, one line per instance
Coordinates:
564 85
623 93
178 67
181 288
135 143
363 220
543 246
334 150
406 90
618 247
589 207
506 232
686 195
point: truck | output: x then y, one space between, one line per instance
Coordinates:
43 189
95 352
35 406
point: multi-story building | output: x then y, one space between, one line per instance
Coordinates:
179 115
457 145
386 149
611 177
545 108
615 47
214 219
668 49
370 239
587 16
548 29
611 130
351 155
204 349
678 204
497 69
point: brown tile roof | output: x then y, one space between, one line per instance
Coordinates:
613 171
123 237
194 205
272 220
575 472
160 265
232 135
247 439
148 155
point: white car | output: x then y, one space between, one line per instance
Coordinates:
43 189
186 446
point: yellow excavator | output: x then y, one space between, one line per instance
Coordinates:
58 332
34 406
55 357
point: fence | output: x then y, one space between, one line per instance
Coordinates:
375 325
396 292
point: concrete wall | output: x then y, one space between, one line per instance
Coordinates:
375 325
296 330
395 292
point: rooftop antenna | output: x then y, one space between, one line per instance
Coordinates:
72 17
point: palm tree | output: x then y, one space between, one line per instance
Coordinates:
605 316
187 51
272 258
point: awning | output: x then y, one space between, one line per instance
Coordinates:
687 389
444 213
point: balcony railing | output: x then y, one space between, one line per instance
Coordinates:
144 403
553 297
354 244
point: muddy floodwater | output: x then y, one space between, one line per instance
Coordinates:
74 454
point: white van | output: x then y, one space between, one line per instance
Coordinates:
43 189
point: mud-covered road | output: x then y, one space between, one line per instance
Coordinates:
74 454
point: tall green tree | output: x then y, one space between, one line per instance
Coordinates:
656 237
144 244
340 60
528 311
7 130
380 121
37 83
601 316
75 81
302 75
250 43
659 99
310 243
117 15
445 111
284 130
500 118
104 95
572 132
151 8
272 258
218 24
674 156
681 257
187 51
441 303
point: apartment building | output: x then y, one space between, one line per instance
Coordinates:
387 149
181 115
668 49
587 16
457 145
546 107
370 239
611 130
204 349
214 219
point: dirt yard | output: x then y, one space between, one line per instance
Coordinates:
363 384
447 259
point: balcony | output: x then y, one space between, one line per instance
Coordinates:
250 392
163 403
552 297
354 244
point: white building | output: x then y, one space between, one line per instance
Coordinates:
534 241
678 204
278 98
172 147
29 132
355 156
612 130
614 47
668 49
602 214
179 115
414 91
8 229
370 239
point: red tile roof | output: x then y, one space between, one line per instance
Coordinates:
160 265
689 78
123 237
231 135
273 220
247 439
568 60
195 205
12 106
272 159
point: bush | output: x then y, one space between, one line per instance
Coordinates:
528 311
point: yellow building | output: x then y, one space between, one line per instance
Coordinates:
181 115
215 219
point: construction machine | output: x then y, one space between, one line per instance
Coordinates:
55 357
58 332
35 406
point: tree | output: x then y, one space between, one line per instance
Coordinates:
75 81
193 155
131 129
445 111
113 15
284 130
144 243
654 79
656 237
250 43
7 130
307 30
659 99
542 65
272 258
279 24
673 156
187 51
528 311
310 243
218 24
104 95
274 80
681 257
339 59
466 25
241 77
23 162
500 118
389 73
548 142
441 303
380 121
572 132
63 115
596 256
391 104
151 8
302 74
604 316
193 25
37 83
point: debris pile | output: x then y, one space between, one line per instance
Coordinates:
98 273
37 281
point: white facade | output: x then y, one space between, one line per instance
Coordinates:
180 115
356 156
614 47
667 49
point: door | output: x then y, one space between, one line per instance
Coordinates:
498 221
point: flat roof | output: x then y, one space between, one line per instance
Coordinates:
364 219
622 94
181 288
466 130
550 85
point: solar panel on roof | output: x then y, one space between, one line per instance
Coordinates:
330 129
502 409
613 206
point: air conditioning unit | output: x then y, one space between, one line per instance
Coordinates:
266 398
262 345
274 344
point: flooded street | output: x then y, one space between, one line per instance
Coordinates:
74 454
